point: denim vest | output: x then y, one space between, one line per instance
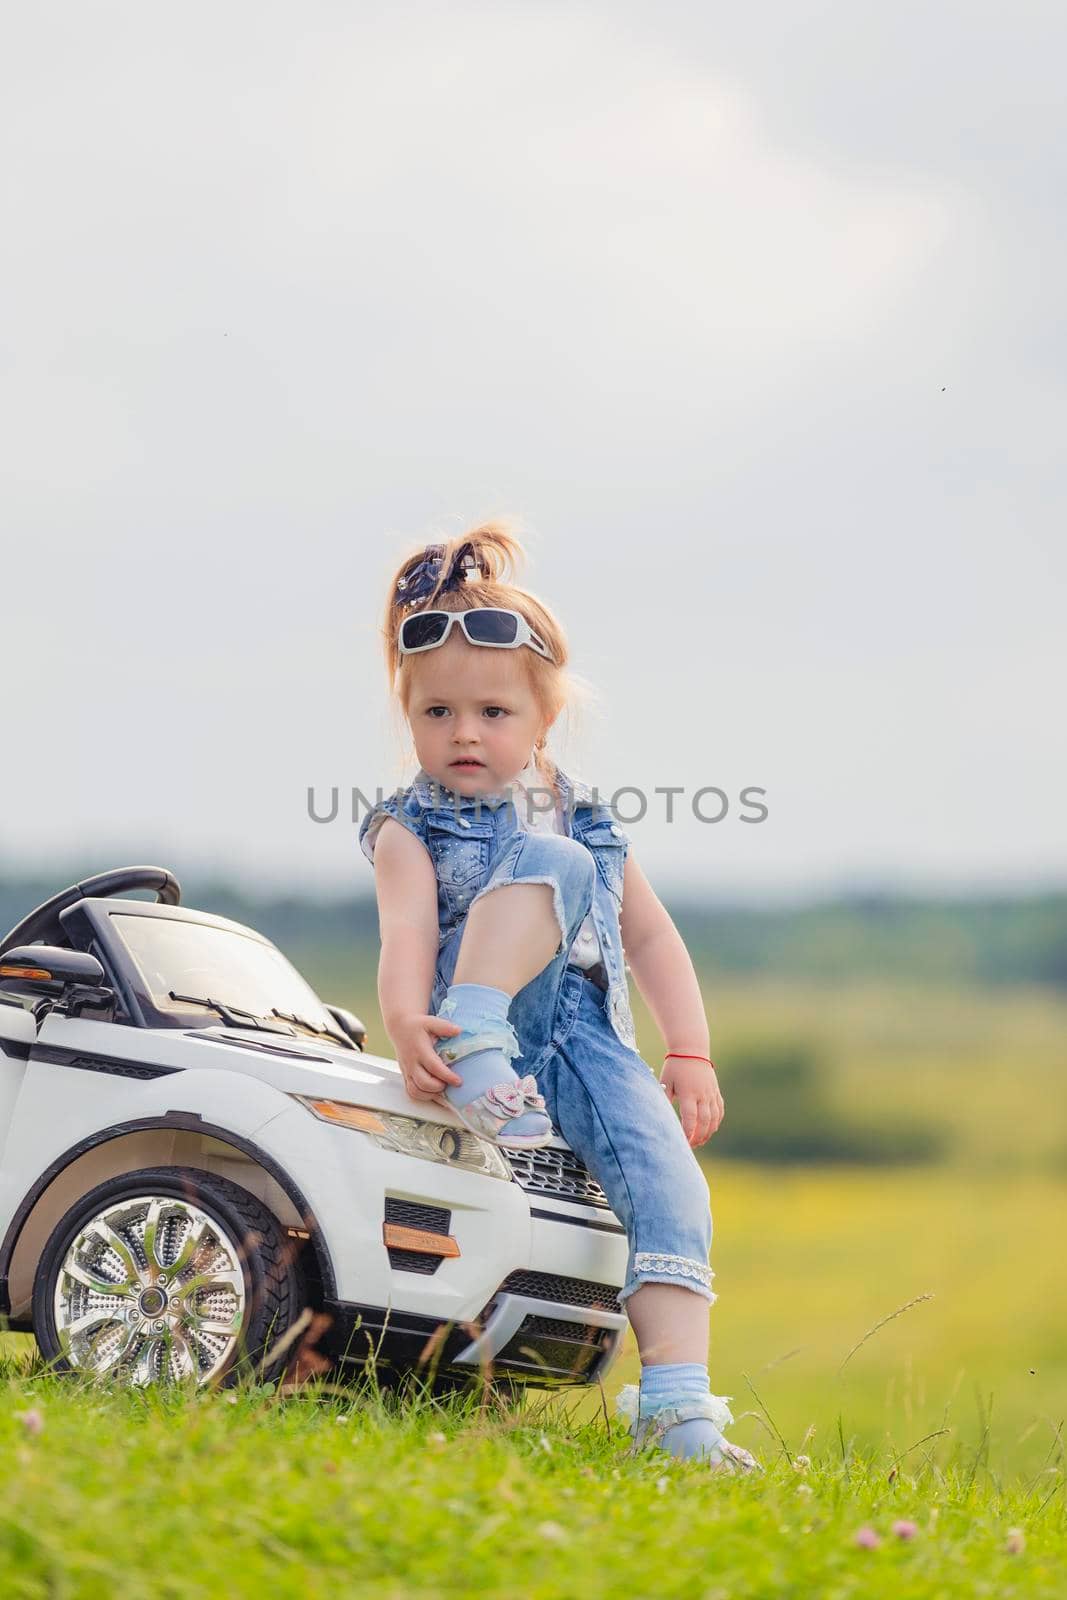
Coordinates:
465 834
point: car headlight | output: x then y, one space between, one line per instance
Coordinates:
410 1136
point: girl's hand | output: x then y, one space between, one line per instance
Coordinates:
693 1086
425 1074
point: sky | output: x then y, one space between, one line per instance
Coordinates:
747 315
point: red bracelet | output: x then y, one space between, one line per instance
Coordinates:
678 1056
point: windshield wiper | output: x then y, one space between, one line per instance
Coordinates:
233 1016
312 1027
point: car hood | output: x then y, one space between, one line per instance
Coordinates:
296 1065
311 1066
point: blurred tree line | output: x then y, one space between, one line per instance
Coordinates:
786 1112
973 940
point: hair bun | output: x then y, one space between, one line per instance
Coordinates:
467 559
419 576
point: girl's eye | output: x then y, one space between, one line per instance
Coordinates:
493 712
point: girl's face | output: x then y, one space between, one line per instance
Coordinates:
473 715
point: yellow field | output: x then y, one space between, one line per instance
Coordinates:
808 1259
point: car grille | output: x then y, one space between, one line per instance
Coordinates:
556 1172
566 1291
410 1214
555 1328
548 1351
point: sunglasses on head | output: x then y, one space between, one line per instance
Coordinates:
485 625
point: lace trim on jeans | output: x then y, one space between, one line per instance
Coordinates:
677 1266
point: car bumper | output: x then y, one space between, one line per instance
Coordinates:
530 1340
527 1279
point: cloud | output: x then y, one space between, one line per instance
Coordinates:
730 306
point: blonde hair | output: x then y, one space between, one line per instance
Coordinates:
495 555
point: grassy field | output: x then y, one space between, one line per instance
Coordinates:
176 1496
947 1416
986 1063
807 1258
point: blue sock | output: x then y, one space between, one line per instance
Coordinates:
472 1006
674 1384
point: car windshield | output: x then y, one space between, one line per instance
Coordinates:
194 958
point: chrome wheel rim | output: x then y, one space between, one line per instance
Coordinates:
151 1290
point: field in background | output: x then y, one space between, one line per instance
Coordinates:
809 1257
949 1415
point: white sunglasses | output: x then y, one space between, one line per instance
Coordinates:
485 625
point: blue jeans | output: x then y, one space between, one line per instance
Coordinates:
602 1097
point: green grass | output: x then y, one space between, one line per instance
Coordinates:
180 1495
964 1393
336 1491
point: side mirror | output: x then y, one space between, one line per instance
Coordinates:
350 1025
73 978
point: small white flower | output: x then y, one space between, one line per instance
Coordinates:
627 1402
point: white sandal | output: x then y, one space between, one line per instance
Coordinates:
489 1113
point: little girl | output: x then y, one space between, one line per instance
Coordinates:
507 896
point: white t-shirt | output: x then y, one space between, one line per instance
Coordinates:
537 817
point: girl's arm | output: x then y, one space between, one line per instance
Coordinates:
406 887
665 976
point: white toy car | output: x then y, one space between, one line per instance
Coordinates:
196 1151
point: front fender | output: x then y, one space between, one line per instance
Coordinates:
230 1099
55 1125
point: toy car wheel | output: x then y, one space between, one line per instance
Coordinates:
168 1274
